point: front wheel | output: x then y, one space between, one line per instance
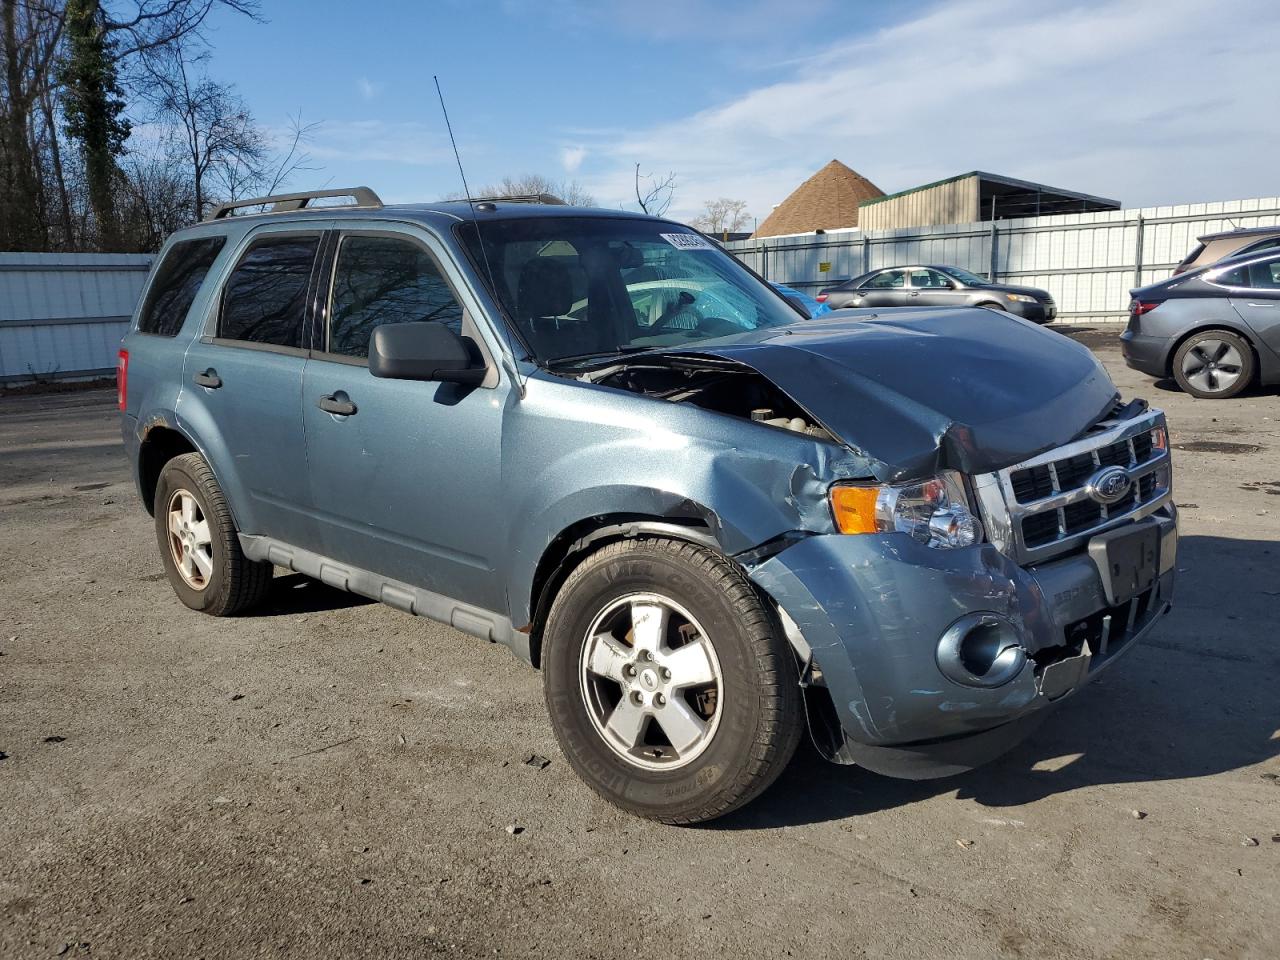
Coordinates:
670 688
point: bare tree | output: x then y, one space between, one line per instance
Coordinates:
722 216
531 184
224 149
654 195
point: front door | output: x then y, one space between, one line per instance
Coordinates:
406 484
242 390
930 288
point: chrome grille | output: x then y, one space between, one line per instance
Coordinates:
1042 507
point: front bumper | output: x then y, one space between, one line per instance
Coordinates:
1035 312
872 610
1150 355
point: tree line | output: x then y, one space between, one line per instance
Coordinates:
112 132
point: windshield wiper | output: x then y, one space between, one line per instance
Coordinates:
587 358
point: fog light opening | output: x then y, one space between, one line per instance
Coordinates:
981 650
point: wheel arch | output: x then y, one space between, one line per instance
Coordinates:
568 548
160 444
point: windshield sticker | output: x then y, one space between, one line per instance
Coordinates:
687 241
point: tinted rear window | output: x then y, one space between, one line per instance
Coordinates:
177 281
265 295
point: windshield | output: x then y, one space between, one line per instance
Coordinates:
965 277
584 287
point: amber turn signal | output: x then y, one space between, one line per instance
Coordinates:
854 508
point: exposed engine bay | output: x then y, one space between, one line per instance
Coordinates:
719 385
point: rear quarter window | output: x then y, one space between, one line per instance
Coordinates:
176 283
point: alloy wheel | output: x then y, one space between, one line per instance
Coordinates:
651 681
190 540
1212 366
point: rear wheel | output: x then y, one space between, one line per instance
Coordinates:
1213 364
670 688
198 542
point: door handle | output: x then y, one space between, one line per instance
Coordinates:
1267 304
335 403
208 379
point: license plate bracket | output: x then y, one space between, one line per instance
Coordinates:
1127 559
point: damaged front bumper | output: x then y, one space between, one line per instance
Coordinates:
874 612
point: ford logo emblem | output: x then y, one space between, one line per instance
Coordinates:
1109 485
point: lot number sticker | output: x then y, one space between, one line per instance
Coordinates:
687 241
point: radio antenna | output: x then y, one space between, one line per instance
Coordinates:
484 253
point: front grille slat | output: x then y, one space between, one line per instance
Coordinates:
1047 501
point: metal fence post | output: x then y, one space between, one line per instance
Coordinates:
994 256
1137 254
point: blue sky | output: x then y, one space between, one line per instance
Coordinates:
1146 101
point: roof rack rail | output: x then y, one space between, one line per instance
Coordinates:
286 202
523 198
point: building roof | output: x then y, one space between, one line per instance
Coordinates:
826 201
1021 198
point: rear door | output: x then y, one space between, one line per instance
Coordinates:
1255 295
888 288
407 484
242 391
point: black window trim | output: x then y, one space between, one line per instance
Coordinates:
250 241
324 294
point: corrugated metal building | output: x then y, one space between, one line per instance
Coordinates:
971 197
62 314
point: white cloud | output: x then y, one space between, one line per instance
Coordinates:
368 89
1147 101
571 158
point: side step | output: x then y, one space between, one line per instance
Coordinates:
484 624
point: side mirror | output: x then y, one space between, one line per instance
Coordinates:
423 351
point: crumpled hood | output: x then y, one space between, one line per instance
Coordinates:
916 391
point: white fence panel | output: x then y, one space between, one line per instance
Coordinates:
1088 261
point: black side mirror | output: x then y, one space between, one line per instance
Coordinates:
423 351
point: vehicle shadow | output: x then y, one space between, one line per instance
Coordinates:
1196 698
294 593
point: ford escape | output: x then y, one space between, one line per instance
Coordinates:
598 439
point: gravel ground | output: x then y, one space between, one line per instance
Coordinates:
331 778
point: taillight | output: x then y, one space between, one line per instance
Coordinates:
122 379
821 298
1137 308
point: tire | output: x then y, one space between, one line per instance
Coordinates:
750 714
1214 364
992 305
200 551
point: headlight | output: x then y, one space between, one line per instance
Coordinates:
1020 298
934 512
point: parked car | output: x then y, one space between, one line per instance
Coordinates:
1215 330
700 524
939 286
806 304
1213 247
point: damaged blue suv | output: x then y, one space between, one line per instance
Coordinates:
598 439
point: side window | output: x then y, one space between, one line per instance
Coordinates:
1265 275
1260 245
177 281
265 295
890 279
929 279
381 280
1239 277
